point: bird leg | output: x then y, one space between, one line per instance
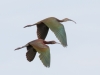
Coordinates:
22 47
28 25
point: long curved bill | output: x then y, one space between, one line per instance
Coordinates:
28 25
72 20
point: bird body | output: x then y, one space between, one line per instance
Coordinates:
39 46
55 26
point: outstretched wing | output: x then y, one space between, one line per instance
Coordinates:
58 30
45 58
61 35
31 52
42 31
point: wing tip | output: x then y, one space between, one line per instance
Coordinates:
64 44
47 65
29 58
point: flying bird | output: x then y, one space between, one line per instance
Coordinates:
39 46
55 26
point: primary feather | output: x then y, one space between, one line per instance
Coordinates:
45 58
43 50
58 30
31 53
42 31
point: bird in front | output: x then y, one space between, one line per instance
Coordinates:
39 46
55 26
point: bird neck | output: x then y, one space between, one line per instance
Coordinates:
59 20
48 42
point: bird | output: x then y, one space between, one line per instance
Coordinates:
55 26
38 45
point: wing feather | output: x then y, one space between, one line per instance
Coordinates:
61 35
58 30
42 31
45 58
31 52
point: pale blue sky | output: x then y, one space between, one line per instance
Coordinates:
81 57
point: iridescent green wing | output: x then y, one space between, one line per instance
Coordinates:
61 35
58 30
45 57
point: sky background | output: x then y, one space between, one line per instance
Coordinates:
81 57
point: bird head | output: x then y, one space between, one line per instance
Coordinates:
67 19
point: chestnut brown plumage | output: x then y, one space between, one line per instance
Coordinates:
39 46
55 26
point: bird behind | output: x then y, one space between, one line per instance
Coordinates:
55 26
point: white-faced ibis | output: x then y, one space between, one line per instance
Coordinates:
39 46
55 26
